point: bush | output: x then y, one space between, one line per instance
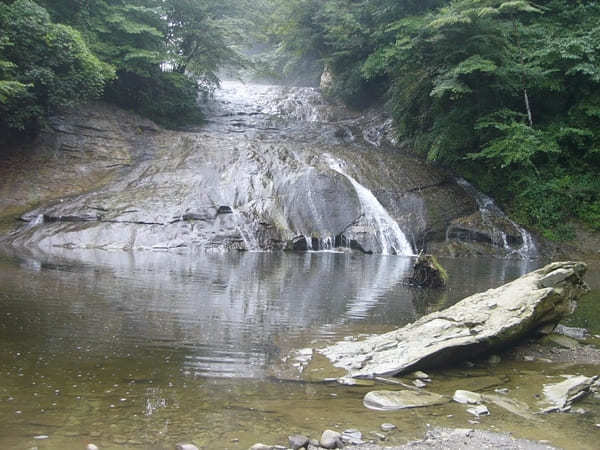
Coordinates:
167 98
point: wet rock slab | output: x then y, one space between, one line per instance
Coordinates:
479 323
561 396
404 399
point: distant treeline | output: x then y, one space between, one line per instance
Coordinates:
506 93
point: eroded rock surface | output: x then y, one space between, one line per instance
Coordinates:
272 167
478 323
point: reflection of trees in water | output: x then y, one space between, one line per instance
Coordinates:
427 301
226 313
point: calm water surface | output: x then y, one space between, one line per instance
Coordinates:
147 349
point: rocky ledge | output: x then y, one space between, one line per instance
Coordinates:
479 323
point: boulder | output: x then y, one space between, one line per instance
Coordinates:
475 325
428 272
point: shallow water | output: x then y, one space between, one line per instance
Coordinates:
147 349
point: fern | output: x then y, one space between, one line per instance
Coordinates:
11 89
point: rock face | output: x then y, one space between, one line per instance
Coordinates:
274 168
479 323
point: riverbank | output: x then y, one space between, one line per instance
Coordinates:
438 439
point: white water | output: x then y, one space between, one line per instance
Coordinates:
387 231
248 236
488 210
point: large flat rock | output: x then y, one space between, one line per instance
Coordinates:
476 324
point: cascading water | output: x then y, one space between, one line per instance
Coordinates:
279 114
254 178
489 210
387 231
248 236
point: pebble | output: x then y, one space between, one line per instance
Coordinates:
387 427
381 436
480 410
40 437
186 447
420 384
92 447
352 436
260 446
331 439
297 441
420 375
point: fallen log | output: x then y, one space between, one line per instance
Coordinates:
477 324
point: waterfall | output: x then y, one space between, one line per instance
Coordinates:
489 210
387 231
248 236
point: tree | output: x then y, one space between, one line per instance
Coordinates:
48 66
505 93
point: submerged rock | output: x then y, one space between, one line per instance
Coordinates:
477 324
513 406
405 399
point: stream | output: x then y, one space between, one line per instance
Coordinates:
145 348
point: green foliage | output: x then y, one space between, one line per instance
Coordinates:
167 98
56 53
44 65
506 93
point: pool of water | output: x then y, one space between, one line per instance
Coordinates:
147 349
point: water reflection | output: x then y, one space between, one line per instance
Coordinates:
226 314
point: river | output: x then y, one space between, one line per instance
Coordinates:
144 349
